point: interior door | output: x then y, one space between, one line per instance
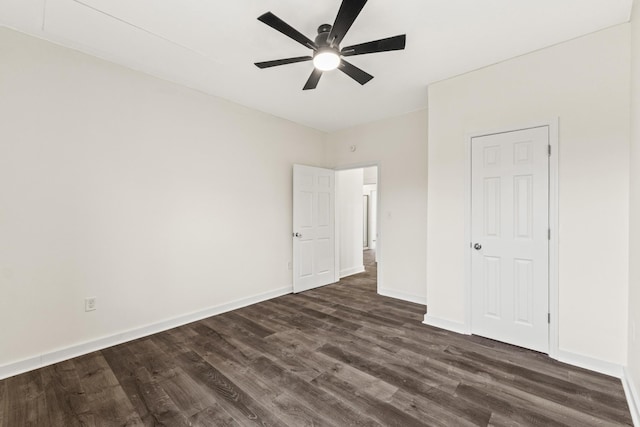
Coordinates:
510 237
313 227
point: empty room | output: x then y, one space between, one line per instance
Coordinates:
319 213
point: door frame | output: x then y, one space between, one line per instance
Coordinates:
554 310
379 237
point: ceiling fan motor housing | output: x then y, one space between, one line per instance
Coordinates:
322 39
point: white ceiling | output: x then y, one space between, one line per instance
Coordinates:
212 45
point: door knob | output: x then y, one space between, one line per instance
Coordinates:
297 235
477 246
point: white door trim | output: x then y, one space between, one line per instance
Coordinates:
379 249
553 224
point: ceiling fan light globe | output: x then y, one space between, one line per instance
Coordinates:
326 61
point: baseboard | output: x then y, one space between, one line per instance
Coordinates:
403 296
633 396
449 325
76 350
351 271
590 363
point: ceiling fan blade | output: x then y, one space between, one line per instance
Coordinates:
349 11
278 24
314 78
382 45
354 72
267 64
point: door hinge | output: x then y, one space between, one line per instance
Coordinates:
549 234
549 150
549 318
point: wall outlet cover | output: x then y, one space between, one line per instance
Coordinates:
90 304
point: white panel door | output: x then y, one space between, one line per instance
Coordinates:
313 227
510 240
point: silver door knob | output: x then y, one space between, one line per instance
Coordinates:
297 235
477 246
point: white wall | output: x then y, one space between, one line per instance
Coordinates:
349 219
584 82
633 358
156 199
399 145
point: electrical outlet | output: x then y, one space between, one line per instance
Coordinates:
90 304
289 266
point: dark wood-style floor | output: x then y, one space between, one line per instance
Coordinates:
336 356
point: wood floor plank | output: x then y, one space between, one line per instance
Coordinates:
288 407
353 314
214 416
139 364
189 397
594 380
299 415
517 414
303 321
319 363
67 403
339 355
323 317
296 340
369 305
256 347
4 403
385 413
407 378
26 401
593 402
265 317
229 396
254 327
109 403
160 405
429 338
431 413
562 413
329 405
215 342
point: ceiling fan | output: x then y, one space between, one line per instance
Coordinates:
327 54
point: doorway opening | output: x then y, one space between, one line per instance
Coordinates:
357 236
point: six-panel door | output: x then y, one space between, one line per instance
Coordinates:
313 227
510 243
